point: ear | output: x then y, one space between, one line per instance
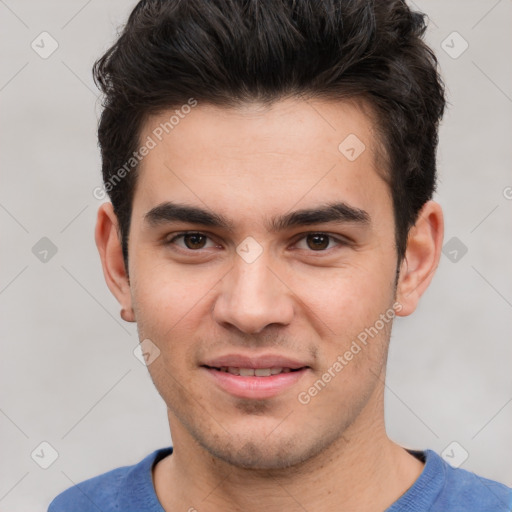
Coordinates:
111 254
422 255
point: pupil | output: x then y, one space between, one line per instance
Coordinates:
193 241
318 241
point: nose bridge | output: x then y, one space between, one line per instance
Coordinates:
252 297
251 280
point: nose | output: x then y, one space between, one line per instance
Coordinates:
252 297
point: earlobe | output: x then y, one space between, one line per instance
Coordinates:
111 254
422 256
127 315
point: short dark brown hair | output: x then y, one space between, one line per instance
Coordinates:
227 52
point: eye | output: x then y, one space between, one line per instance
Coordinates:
195 241
192 241
319 242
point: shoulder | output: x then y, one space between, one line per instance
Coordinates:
107 492
443 488
465 491
100 492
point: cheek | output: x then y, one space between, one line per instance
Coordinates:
345 299
166 295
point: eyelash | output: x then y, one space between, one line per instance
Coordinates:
339 241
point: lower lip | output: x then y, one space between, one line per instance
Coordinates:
257 388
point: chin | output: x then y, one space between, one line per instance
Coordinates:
260 455
265 454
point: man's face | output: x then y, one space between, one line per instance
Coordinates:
261 294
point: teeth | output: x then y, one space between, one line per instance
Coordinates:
251 372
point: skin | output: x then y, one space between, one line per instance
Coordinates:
249 164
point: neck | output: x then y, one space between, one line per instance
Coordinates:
363 470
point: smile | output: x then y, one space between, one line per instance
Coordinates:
254 383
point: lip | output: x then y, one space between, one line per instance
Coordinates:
257 388
252 387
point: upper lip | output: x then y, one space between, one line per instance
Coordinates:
261 361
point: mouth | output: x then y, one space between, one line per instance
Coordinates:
255 379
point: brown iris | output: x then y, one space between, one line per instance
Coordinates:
194 240
317 241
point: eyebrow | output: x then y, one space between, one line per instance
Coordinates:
337 212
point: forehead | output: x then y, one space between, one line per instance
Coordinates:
251 157
292 125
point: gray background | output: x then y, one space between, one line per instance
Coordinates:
68 373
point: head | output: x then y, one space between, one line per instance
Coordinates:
298 140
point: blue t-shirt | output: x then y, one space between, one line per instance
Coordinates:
439 488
